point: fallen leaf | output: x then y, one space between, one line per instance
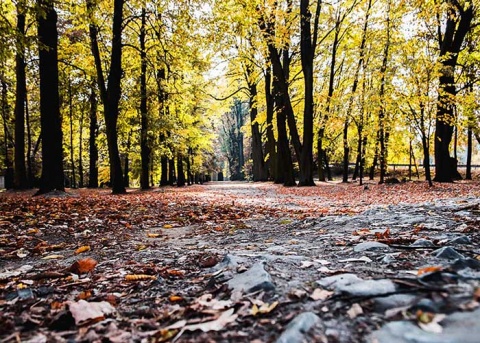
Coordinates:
82 249
83 266
153 235
431 269
355 311
84 311
218 324
320 294
306 264
52 257
175 298
139 277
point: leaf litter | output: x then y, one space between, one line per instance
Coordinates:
148 265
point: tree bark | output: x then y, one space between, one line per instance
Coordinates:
270 110
145 150
50 118
450 44
110 93
180 172
93 149
20 176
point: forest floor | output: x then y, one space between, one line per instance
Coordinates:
243 262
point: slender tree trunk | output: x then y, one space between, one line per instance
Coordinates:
270 109
382 131
50 118
20 176
468 174
145 150
7 139
180 172
80 152
346 151
111 92
70 116
259 170
93 149
30 175
171 171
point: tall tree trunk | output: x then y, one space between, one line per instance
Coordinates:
259 169
30 174
270 110
20 177
307 52
450 44
180 172
382 130
468 174
110 93
171 171
50 118
346 151
80 152
164 164
70 116
93 149
7 137
145 150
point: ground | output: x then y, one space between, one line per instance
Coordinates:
240 262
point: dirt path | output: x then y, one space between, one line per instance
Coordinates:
241 262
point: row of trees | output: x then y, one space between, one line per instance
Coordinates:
130 86
359 80
141 61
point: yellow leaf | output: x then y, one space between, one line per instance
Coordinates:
82 249
175 298
153 235
52 257
167 226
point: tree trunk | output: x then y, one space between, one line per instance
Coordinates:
145 150
450 45
270 109
20 176
50 118
70 117
111 92
171 171
180 172
346 151
7 138
259 171
93 149
80 152
468 174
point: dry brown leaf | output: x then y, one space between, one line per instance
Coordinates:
153 235
175 298
52 257
320 294
430 269
84 311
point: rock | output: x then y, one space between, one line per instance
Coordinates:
383 304
388 258
370 246
458 327
465 263
335 282
229 262
369 288
447 253
254 279
425 305
461 240
298 327
422 243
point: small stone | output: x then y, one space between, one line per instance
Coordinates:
388 258
422 243
461 240
447 253
370 246
298 327
369 288
337 281
465 263
25 294
425 305
254 279
383 304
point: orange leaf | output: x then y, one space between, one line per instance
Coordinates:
429 270
85 265
175 272
174 298
153 235
139 277
84 295
82 249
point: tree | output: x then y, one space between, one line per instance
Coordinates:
457 24
110 92
51 121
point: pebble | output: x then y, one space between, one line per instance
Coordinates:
461 240
298 327
254 279
422 243
369 288
336 282
370 246
447 253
